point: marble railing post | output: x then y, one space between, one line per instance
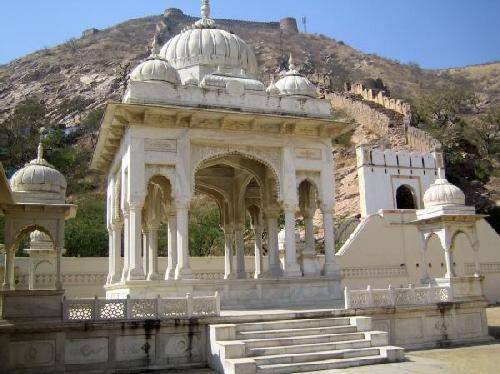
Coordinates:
240 251
291 266
135 270
152 253
183 270
228 252
126 244
258 251
172 245
331 265
272 244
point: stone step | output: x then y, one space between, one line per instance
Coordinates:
309 348
294 323
283 333
296 358
320 365
304 339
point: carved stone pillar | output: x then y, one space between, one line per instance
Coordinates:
172 245
291 266
59 284
8 277
145 246
309 260
228 252
111 256
240 251
152 253
331 265
126 244
272 244
450 270
183 270
116 244
135 270
258 251
425 273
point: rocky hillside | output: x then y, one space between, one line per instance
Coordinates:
74 78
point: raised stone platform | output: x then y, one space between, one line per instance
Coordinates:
241 293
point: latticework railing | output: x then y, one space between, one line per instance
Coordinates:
395 297
140 309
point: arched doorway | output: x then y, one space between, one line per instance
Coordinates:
242 187
405 198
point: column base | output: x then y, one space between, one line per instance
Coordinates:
184 273
153 276
292 270
241 275
331 269
169 274
309 264
275 271
229 276
136 274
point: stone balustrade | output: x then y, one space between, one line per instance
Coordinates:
396 297
78 310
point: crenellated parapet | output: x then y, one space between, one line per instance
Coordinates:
420 140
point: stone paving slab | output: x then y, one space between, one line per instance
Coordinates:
484 359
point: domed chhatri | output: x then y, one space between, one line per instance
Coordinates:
39 182
443 193
294 84
203 48
155 68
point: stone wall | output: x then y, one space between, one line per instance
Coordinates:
383 115
383 122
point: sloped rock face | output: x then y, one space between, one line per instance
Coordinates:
82 74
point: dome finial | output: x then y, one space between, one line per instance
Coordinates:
205 9
40 151
205 22
155 44
291 63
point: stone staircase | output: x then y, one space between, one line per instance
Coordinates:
298 345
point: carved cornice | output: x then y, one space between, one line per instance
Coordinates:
119 116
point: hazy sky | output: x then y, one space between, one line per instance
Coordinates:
433 33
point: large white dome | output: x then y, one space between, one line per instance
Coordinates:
204 44
212 47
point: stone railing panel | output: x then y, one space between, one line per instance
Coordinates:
396 297
141 309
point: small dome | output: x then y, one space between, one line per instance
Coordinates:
294 84
443 193
39 179
155 68
40 241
